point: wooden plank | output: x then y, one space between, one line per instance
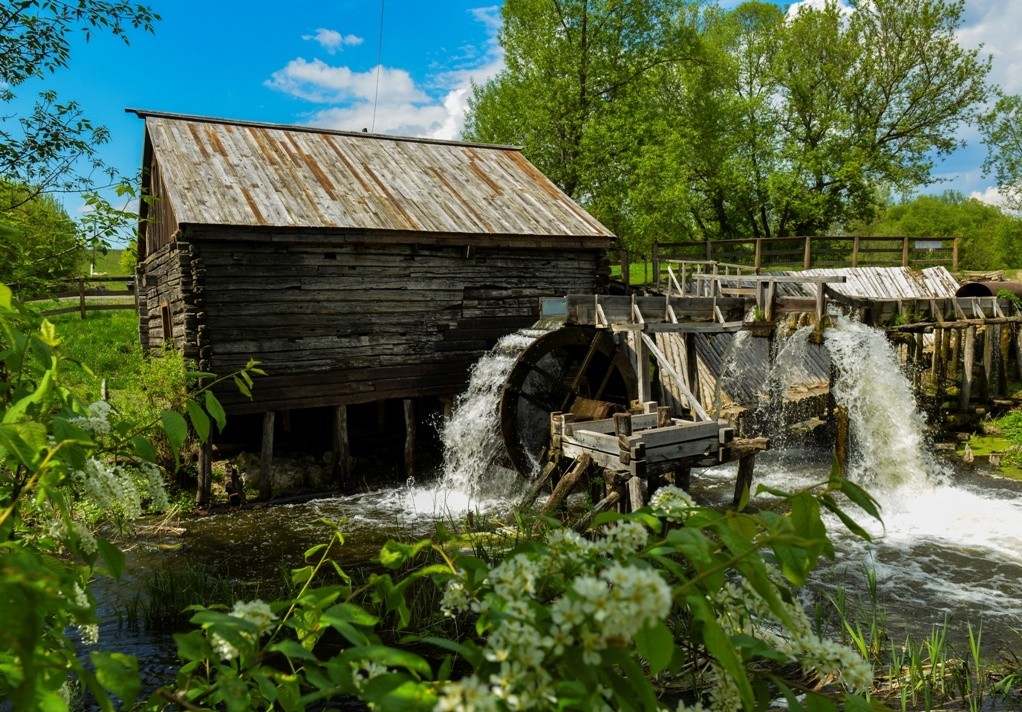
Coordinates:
680 451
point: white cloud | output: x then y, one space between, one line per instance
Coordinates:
436 108
332 40
322 83
994 25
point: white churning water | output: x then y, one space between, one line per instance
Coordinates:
950 542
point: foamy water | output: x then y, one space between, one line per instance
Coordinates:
950 543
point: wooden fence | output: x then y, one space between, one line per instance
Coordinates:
78 295
819 251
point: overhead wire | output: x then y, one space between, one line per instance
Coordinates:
379 68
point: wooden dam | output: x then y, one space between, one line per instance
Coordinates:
368 273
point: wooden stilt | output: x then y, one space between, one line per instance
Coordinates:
636 493
988 363
744 482
683 478
566 484
409 408
341 446
266 457
968 358
691 369
841 441
919 356
937 356
204 485
942 367
954 364
1003 358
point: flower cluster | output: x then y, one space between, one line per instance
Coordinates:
97 422
122 489
742 610
541 606
256 613
671 503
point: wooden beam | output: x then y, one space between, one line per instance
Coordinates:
204 484
988 363
409 409
266 457
968 358
341 446
694 404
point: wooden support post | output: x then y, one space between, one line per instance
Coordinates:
758 264
841 439
566 484
936 356
683 477
447 404
204 485
341 446
604 505
640 363
855 251
919 356
409 408
623 430
954 364
968 358
538 484
988 363
81 296
1003 358
636 493
744 482
807 254
940 379
266 457
904 251
1018 349
663 416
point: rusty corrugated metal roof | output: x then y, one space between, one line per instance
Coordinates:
219 172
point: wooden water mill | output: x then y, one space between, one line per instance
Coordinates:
576 410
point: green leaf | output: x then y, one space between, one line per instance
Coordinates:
720 646
852 526
242 387
200 421
390 657
656 644
118 673
216 410
111 556
175 427
862 498
350 613
25 441
394 554
5 296
293 650
143 449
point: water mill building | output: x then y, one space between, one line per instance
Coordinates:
357 268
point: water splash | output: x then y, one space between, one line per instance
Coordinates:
890 451
729 365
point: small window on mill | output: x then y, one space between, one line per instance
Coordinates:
168 323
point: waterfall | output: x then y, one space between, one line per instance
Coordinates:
471 437
890 451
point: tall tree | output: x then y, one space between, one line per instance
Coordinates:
39 242
52 147
569 64
1002 132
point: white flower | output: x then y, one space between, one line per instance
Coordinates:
97 422
255 612
671 503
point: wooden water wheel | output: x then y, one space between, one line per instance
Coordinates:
576 368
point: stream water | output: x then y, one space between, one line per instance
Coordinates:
950 543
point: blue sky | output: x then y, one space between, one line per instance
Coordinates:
314 63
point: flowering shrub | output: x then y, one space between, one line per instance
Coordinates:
607 620
65 465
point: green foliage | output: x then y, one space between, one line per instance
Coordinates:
1002 133
67 465
991 238
560 621
39 244
687 121
38 145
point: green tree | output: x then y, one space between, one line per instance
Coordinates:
1002 133
40 243
52 146
570 67
991 238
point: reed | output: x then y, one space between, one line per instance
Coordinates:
166 594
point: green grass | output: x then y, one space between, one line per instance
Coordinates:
106 342
639 272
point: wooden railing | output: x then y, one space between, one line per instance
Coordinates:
76 296
767 253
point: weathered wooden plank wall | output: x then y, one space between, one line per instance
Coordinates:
337 323
166 282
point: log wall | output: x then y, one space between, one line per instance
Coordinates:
339 322
167 282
